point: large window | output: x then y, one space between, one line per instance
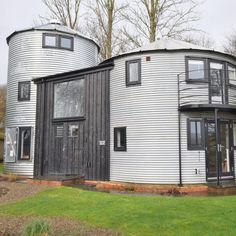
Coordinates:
120 139
24 91
69 99
58 41
195 134
195 69
232 75
133 72
24 143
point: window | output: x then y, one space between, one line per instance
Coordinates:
58 41
10 145
24 143
24 91
120 139
66 42
195 134
195 69
50 40
133 72
232 75
234 134
69 99
73 131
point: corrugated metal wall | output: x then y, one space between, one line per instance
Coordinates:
150 113
27 60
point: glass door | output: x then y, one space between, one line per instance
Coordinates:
211 153
217 85
226 150
223 149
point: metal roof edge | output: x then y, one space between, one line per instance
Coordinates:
73 73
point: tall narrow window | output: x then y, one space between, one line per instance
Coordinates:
11 145
120 139
24 143
133 72
195 135
195 69
24 91
232 75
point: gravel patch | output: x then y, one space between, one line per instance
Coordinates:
13 226
13 191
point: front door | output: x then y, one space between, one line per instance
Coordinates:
219 145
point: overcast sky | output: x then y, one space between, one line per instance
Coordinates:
218 19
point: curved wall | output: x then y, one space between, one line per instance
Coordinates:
150 113
28 60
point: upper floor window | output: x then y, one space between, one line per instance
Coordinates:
69 99
24 91
195 134
232 75
195 69
133 72
58 41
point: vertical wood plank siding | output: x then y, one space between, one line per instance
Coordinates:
150 113
75 156
28 60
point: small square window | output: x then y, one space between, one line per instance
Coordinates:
120 139
24 91
195 134
195 69
73 131
66 42
50 40
133 72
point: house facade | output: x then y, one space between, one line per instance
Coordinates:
161 114
36 52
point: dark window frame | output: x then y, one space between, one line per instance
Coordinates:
227 73
116 148
191 146
71 118
127 63
58 41
204 60
19 91
20 143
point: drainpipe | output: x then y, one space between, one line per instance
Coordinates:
179 130
218 147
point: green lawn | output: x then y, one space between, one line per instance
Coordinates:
1 167
134 215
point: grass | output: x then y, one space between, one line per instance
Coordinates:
134 215
1 167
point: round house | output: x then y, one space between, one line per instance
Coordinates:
35 52
173 115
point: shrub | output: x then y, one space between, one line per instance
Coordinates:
37 228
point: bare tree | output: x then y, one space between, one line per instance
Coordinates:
2 106
230 44
102 24
202 40
66 11
151 19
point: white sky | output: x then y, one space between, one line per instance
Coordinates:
218 18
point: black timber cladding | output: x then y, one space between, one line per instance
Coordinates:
87 155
